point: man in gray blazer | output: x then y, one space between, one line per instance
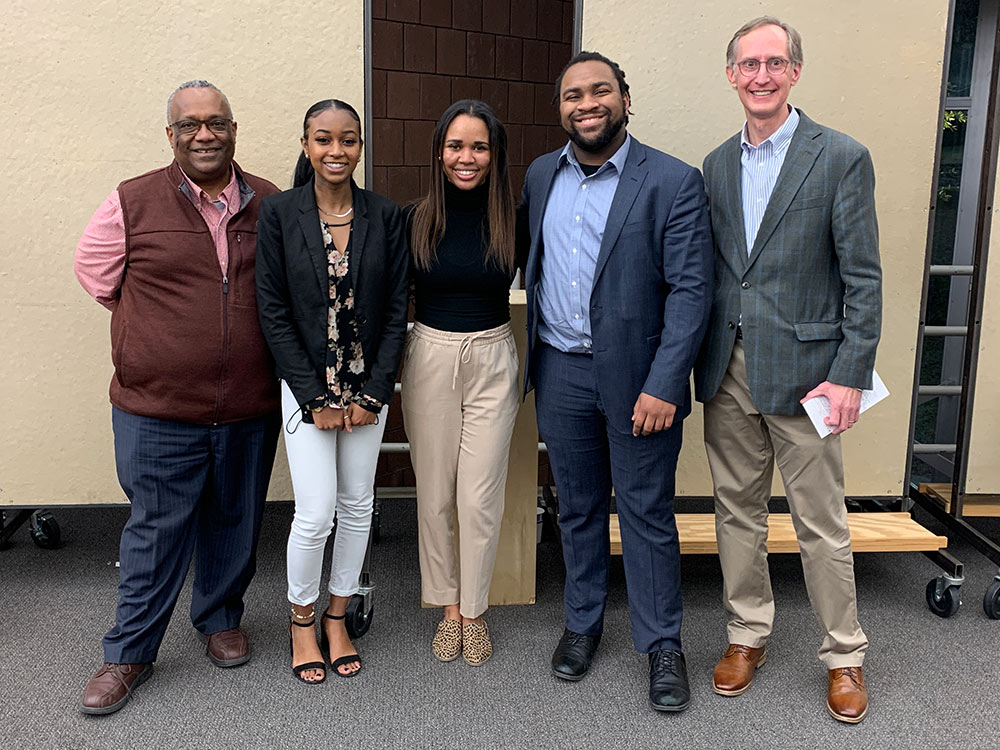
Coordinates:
796 314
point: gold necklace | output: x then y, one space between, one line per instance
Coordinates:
336 216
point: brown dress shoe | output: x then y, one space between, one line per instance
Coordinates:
229 648
112 686
847 696
735 671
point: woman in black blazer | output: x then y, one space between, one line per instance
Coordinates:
332 295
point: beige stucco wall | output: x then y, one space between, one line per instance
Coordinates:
872 70
84 108
984 444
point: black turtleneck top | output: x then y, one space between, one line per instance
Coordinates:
461 292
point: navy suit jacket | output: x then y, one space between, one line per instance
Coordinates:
652 285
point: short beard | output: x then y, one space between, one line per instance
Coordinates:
601 140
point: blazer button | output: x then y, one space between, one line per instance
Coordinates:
745 285
731 325
362 320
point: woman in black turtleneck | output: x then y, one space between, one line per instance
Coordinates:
460 370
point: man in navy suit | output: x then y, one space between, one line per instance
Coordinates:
619 290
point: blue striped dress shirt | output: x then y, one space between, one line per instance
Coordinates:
572 230
761 165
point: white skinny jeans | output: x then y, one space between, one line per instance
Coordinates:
332 472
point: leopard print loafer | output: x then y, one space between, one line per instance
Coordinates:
476 645
447 644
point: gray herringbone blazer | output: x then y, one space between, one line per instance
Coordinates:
810 290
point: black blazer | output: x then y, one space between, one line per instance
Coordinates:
293 289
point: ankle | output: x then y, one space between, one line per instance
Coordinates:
303 616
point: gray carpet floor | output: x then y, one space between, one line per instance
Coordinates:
934 683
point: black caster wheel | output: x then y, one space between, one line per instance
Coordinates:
44 529
991 602
358 622
944 604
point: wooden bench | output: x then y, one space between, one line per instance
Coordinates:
973 506
870 532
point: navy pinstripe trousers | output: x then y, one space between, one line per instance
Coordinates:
587 456
195 490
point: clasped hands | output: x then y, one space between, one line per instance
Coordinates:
331 418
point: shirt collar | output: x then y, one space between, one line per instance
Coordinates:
779 139
230 193
618 159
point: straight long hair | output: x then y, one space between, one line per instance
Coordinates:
429 215
303 168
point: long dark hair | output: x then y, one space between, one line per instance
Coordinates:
303 169
429 214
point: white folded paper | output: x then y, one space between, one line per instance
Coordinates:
818 408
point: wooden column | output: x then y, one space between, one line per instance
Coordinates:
514 574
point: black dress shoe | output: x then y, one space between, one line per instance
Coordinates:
573 655
668 681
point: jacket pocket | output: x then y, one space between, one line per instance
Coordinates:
813 201
653 344
643 225
819 331
118 346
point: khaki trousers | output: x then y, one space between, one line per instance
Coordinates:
459 395
743 446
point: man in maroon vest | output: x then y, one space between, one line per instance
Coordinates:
194 398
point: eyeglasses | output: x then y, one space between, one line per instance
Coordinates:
775 66
218 125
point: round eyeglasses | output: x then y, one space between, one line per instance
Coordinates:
775 66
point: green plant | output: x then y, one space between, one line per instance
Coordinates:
954 117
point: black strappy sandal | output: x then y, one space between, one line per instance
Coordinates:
297 671
341 661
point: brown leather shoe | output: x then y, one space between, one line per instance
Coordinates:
847 696
735 671
229 648
112 686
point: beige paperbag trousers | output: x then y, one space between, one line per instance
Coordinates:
459 393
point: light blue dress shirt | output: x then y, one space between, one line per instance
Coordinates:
761 166
572 230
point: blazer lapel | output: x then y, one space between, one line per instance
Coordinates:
309 222
359 233
734 196
802 153
629 184
543 186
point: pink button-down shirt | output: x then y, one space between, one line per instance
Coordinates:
100 255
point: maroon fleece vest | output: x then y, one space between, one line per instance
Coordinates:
187 345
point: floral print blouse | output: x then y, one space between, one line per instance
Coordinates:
345 360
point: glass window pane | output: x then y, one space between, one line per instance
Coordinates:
949 180
963 45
